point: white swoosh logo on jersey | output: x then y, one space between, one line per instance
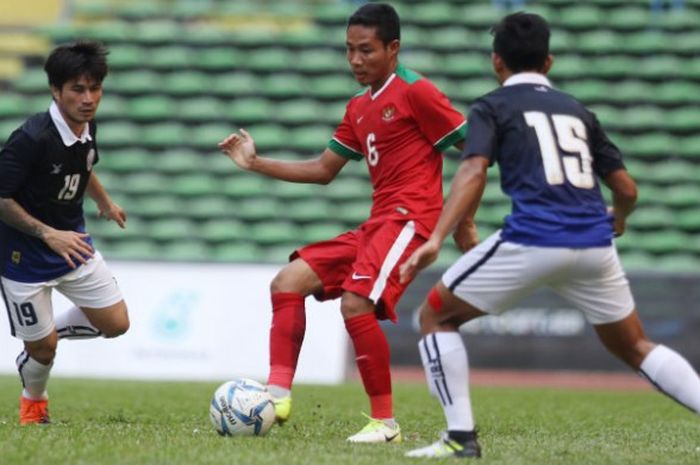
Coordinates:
359 119
360 276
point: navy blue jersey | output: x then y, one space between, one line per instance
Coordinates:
551 151
48 179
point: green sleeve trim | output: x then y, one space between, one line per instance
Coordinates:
458 134
407 75
344 150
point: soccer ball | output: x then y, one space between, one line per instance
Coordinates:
242 407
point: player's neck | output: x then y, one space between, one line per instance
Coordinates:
376 86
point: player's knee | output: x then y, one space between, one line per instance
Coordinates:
117 328
43 354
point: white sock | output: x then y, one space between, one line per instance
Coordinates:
447 372
671 374
73 324
278 392
34 375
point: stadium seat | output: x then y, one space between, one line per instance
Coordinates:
151 108
149 207
218 58
164 135
307 210
119 134
132 249
270 232
188 250
239 252
171 229
258 209
244 186
194 185
208 207
224 230
125 160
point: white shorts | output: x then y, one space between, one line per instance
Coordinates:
29 305
495 275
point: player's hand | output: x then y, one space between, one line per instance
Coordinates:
70 245
465 235
240 148
112 211
619 224
419 259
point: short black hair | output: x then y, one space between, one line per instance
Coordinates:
381 16
76 59
522 41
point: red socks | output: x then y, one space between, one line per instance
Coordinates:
286 336
372 357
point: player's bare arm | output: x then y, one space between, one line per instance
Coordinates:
320 170
462 203
106 208
624 197
68 244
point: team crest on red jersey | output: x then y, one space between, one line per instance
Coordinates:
388 112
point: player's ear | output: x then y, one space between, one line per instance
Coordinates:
55 92
394 47
497 62
548 64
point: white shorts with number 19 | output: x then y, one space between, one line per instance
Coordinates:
496 274
29 305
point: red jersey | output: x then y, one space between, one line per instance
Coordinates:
401 131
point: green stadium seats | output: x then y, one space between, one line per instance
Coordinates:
270 232
126 160
133 82
207 136
628 18
208 207
258 209
310 139
337 86
170 57
193 185
581 17
151 108
236 83
308 210
154 206
132 249
283 85
187 250
250 110
12 105
171 229
118 133
273 59
321 231
239 252
111 106
244 186
164 135
224 230
127 56
318 61
186 75
218 58
186 83
298 111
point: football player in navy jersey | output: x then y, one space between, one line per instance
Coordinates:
552 154
46 166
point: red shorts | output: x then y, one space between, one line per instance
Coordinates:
364 261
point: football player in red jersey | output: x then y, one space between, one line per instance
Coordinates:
399 125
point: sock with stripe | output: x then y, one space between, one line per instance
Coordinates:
34 375
286 337
73 324
372 357
446 367
671 374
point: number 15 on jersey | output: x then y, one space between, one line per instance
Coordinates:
569 135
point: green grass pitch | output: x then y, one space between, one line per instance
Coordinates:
150 423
